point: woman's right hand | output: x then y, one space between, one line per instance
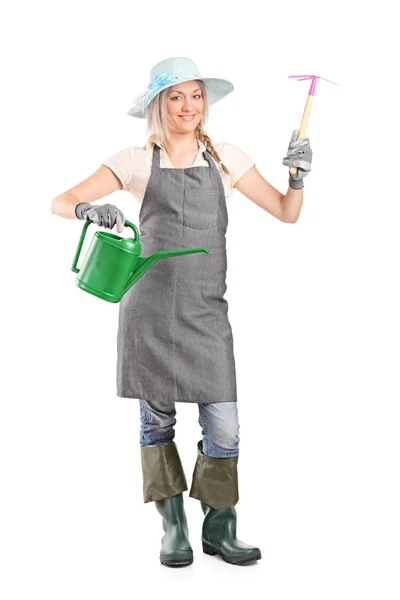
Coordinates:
105 215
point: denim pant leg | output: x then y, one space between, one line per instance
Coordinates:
220 428
156 423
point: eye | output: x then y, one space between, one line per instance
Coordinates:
195 96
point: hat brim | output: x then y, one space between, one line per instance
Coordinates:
216 90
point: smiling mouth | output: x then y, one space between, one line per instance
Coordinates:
187 117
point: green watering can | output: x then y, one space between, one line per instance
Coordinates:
113 264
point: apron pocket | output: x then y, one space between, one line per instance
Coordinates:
200 208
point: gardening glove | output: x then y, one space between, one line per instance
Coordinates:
105 215
299 154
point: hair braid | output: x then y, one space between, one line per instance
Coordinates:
203 137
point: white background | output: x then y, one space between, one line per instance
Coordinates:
314 306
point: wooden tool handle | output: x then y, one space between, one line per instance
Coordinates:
303 126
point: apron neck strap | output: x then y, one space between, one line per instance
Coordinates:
155 164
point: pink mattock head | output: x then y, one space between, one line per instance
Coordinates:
313 83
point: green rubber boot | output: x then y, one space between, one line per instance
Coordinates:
175 547
215 484
219 537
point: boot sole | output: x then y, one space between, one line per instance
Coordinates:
176 562
233 561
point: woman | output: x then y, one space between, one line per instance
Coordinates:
174 337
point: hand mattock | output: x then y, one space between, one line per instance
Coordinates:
307 108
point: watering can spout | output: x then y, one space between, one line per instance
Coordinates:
144 263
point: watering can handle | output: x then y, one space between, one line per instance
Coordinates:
83 234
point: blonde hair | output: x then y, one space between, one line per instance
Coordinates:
156 118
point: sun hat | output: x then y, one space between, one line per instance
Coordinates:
177 70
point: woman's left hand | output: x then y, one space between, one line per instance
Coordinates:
299 154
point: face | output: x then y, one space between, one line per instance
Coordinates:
185 99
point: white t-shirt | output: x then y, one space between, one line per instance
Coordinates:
132 165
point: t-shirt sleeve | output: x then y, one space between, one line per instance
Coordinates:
121 164
237 161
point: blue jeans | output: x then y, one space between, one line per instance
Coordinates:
218 421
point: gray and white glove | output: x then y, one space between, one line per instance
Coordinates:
105 215
299 154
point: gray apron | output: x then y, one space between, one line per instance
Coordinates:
174 340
